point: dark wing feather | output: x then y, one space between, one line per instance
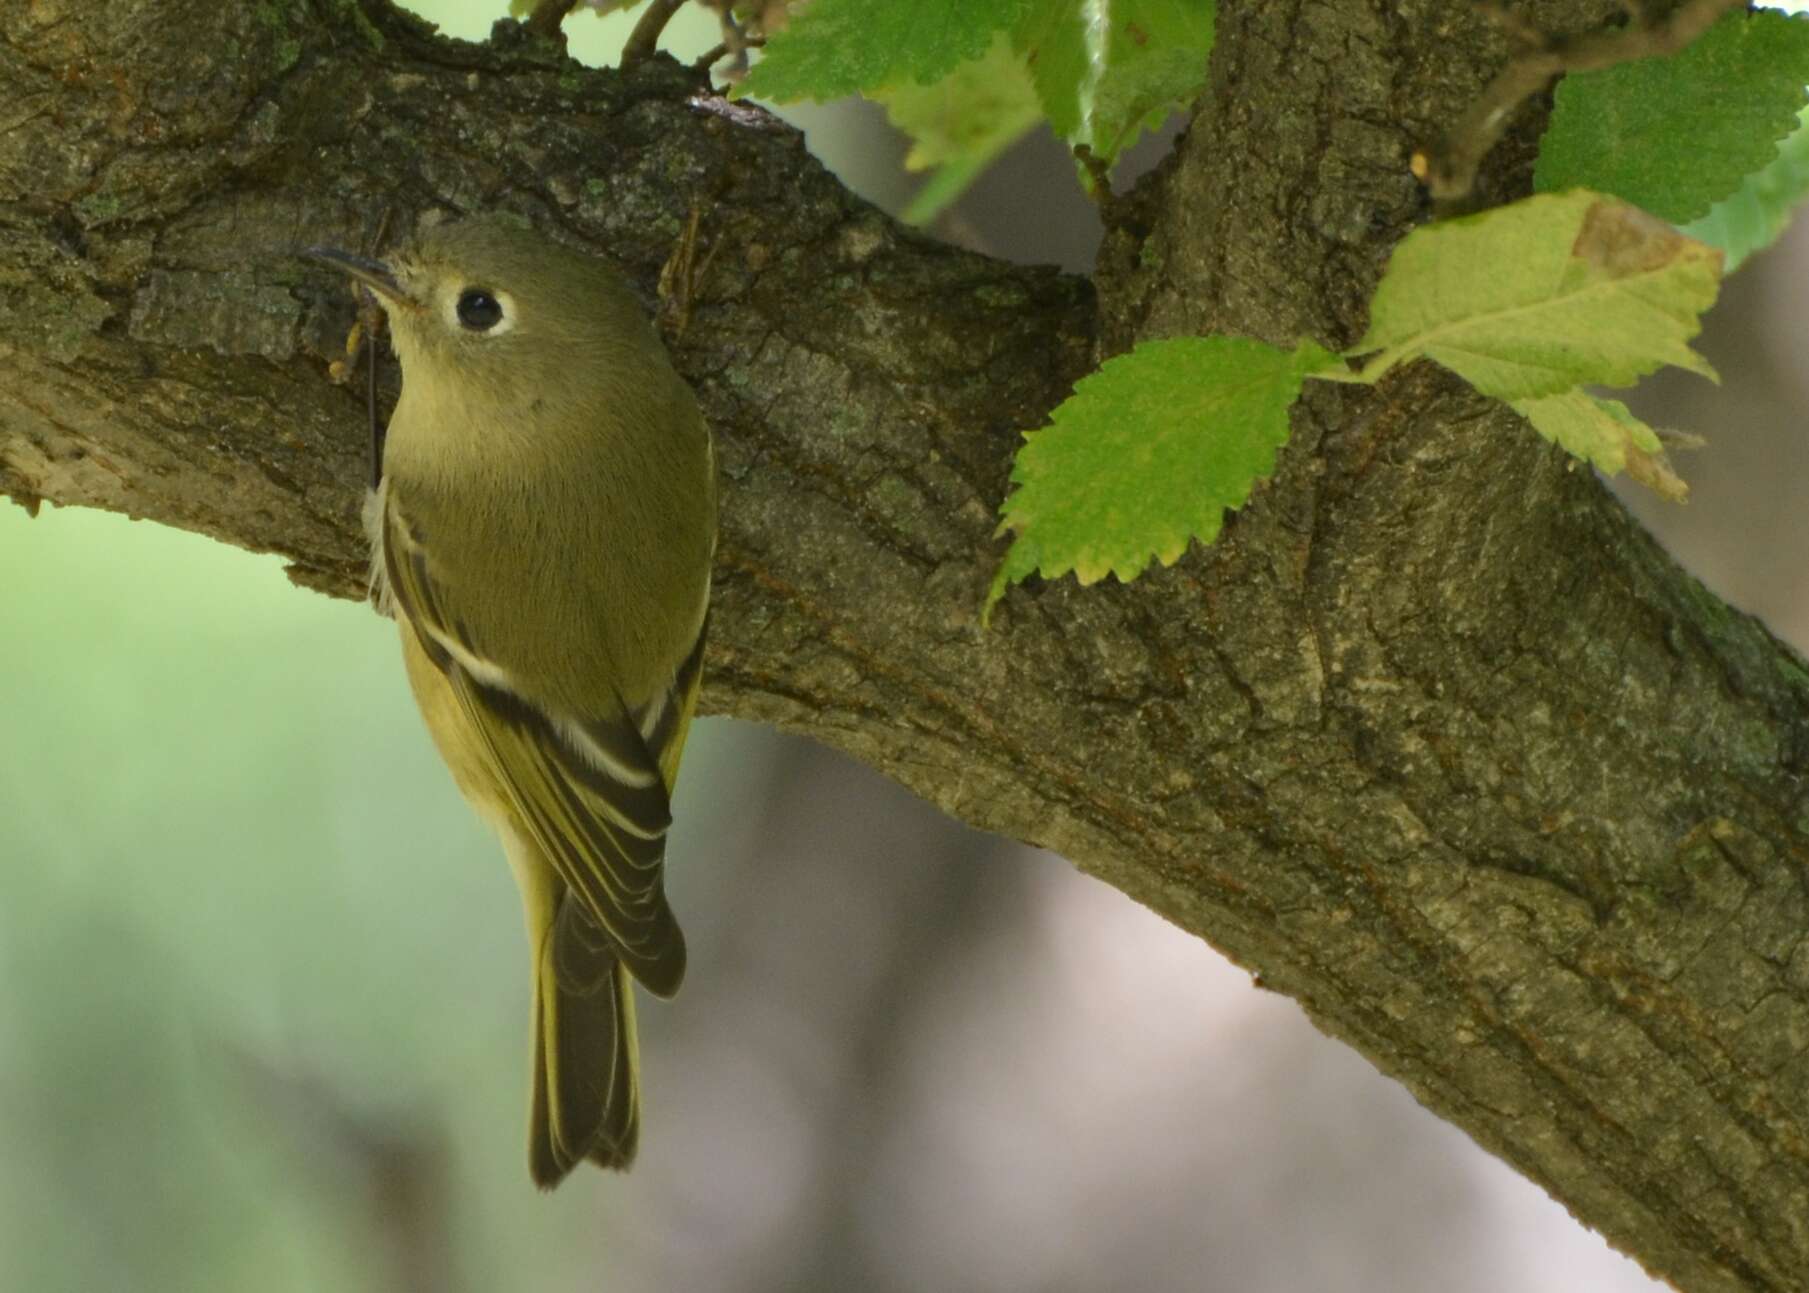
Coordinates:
590 791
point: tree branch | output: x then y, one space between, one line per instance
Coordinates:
1434 738
645 38
1449 170
548 18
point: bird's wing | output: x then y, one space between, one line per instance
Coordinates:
590 791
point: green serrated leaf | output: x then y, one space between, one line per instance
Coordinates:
1147 454
1675 135
1108 69
1606 435
836 47
1542 295
961 123
1751 219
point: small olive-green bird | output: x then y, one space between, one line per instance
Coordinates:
543 529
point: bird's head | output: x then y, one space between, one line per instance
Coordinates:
489 300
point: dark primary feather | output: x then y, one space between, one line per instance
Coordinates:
588 790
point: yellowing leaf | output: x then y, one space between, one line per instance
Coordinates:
1544 295
1605 434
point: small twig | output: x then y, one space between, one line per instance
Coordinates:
1099 174
645 38
737 40
363 336
704 62
1522 35
548 16
1449 170
370 404
681 277
739 49
373 318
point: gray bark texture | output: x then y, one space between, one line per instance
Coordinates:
1434 740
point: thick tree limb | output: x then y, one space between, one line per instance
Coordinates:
1434 739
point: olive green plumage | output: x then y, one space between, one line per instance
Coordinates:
544 529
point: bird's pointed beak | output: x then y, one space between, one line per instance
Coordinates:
374 274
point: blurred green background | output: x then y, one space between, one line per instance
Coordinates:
263 992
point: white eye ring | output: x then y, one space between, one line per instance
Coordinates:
466 309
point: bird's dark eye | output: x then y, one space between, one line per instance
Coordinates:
479 309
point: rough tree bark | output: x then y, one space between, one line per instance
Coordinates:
1435 739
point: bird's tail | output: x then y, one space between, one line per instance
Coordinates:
586 1067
